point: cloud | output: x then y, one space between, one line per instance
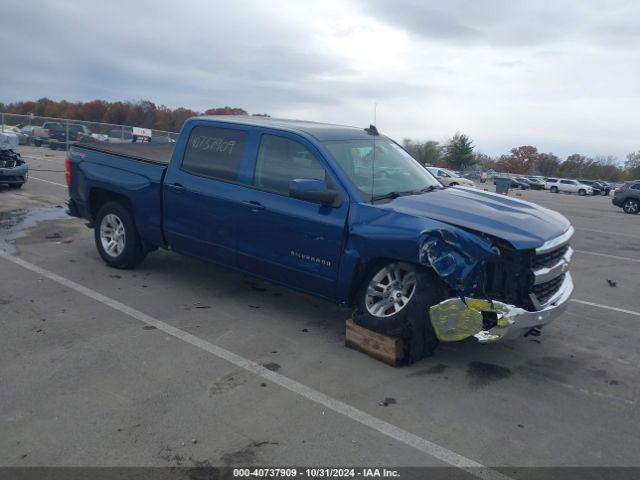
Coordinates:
561 76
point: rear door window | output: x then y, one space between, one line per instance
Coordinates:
281 160
214 152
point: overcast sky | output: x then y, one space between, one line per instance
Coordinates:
560 75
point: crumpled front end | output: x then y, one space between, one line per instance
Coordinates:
458 257
521 292
488 321
13 170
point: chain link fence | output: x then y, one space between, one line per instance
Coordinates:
60 133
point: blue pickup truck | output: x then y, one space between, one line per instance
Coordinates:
343 213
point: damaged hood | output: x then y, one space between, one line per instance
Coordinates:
523 224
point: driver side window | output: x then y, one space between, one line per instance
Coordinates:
281 160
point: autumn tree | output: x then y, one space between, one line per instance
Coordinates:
573 166
225 111
546 164
143 113
459 152
521 159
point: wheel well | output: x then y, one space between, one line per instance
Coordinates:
98 197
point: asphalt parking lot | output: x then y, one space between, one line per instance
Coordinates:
181 363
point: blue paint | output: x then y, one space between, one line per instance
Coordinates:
317 248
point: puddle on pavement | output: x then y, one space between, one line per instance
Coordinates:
15 223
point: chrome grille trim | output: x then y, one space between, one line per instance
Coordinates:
546 274
556 242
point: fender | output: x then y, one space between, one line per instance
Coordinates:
457 256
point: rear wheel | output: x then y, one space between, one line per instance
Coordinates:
631 206
37 143
553 189
116 237
395 299
16 185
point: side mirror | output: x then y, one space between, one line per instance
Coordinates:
313 190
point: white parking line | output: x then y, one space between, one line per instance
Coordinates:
433 449
606 255
606 307
59 162
607 232
31 177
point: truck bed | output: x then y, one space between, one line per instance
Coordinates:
158 153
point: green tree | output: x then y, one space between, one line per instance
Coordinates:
427 153
632 165
459 152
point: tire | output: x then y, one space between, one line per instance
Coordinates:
582 192
127 250
53 146
522 187
454 184
37 143
554 190
16 186
631 206
410 322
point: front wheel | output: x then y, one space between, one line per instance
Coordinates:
582 192
116 237
553 189
395 299
631 206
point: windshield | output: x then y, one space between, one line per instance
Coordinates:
393 170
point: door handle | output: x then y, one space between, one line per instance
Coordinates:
253 205
176 187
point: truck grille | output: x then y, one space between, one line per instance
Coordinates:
527 279
548 259
544 291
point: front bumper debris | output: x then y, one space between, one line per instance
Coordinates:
491 321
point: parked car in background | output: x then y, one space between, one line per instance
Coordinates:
58 135
533 182
28 130
599 187
22 137
608 186
596 186
13 170
119 135
569 186
100 137
514 183
41 134
449 178
627 197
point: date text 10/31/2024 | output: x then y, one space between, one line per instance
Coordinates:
315 473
